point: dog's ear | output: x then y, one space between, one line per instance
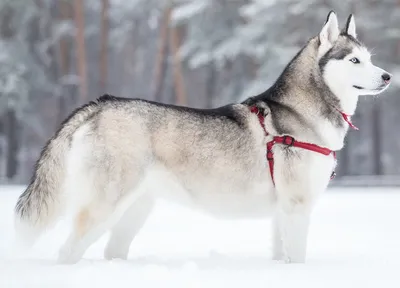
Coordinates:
350 28
330 32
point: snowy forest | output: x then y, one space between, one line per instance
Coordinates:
56 55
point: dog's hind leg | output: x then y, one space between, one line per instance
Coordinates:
125 230
92 221
87 228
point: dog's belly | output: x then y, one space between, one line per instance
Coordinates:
241 197
248 204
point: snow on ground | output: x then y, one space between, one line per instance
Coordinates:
354 242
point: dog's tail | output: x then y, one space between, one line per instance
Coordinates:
40 205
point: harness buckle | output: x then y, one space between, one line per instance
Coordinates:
287 140
255 110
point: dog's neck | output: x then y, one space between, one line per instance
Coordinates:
349 101
303 106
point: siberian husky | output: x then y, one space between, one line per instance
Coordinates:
271 155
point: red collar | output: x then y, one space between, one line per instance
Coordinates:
289 141
347 118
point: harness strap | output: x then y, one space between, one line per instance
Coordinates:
347 118
290 142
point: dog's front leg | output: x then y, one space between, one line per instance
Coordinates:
292 221
277 247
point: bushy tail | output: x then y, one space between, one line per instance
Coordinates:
39 206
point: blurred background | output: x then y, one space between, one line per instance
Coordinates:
56 55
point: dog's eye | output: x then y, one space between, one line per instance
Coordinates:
355 60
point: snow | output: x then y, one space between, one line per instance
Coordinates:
254 8
354 242
186 11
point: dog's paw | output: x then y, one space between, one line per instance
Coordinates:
289 260
67 257
113 251
277 256
111 255
286 259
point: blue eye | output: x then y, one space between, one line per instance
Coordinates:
355 60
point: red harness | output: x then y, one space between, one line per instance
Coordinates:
290 141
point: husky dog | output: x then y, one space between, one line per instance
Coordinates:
113 157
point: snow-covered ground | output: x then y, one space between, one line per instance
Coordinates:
354 242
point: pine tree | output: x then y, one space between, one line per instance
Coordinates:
211 43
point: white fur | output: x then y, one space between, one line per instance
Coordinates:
293 229
127 228
83 188
342 75
106 217
296 199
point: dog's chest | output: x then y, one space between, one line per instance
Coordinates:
302 169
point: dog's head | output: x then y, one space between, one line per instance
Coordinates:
345 63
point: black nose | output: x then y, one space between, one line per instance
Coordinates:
386 77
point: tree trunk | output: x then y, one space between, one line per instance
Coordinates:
13 144
161 62
65 44
211 77
128 55
6 27
65 60
52 71
81 49
376 132
3 156
179 82
104 45
10 122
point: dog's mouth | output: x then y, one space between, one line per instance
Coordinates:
371 91
379 88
